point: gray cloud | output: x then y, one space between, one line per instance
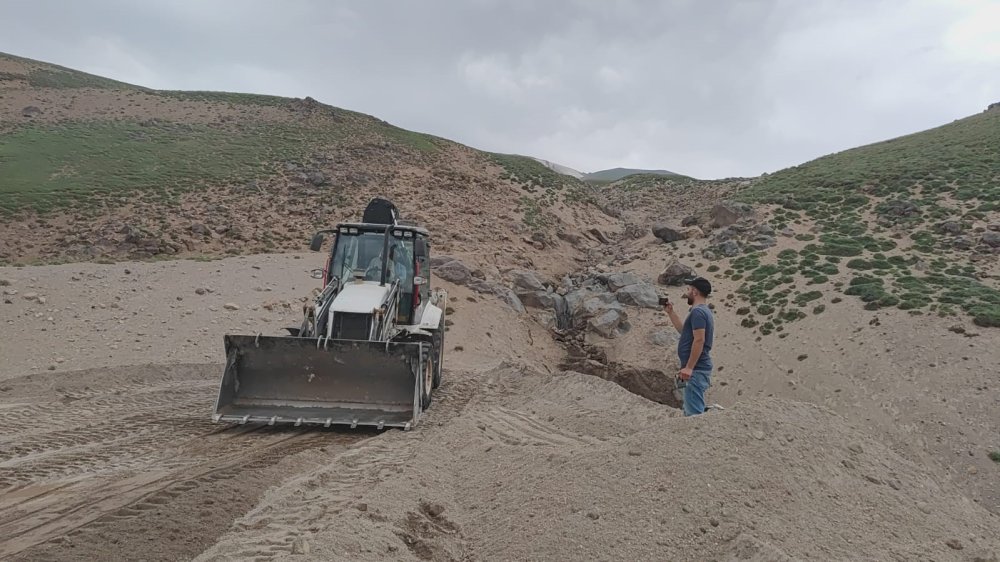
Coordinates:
710 89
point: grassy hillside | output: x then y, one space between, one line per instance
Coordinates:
95 168
903 223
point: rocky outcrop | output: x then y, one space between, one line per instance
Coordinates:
674 274
668 233
726 213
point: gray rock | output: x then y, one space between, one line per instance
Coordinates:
31 111
455 272
764 229
616 281
668 233
729 248
526 281
991 239
951 227
440 260
762 242
689 221
726 213
607 323
664 338
199 229
640 294
508 296
993 226
787 232
962 242
316 178
231 306
675 274
300 546
900 208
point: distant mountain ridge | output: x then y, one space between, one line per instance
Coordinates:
610 175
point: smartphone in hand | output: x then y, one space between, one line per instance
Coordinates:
664 301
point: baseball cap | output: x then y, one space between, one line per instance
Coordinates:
701 284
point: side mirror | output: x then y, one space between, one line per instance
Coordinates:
420 248
418 280
316 273
317 242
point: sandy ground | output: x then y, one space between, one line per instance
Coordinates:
107 386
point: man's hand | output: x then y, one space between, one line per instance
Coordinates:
685 374
669 307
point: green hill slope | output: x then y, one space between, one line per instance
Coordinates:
908 223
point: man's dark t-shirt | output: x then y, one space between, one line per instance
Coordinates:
700 317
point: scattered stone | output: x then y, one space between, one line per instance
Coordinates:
300 546
362 507
231 306
30 296
200 229
991 239
689 220
873 479
847 464
900 208
962 242
950 227
435 509
31 111
954 544
713 522
758 435
924 507
593 515
855 448
200 291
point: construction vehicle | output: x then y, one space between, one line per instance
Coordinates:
370 347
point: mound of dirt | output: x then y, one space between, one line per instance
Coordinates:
517 465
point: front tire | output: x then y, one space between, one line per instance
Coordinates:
438 351
428 374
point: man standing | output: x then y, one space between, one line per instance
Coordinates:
697 333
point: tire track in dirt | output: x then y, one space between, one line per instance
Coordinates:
308 504
133 466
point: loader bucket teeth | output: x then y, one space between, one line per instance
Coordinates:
278 380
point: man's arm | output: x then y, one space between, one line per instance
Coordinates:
674 319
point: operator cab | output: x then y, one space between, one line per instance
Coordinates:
363 250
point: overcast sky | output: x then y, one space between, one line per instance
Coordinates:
706 88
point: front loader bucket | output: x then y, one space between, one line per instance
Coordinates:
292 380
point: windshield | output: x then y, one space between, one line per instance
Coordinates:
362 253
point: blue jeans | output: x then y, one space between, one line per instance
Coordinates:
694 392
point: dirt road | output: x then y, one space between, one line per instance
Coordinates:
105 462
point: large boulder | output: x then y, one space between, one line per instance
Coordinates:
454 272
640 294
726 213
668 233
729 248
689 220
608 323
524 281
675 274
616 281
